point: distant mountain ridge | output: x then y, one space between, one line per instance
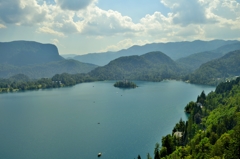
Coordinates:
174 50
36 60
224 67
153 66
194 61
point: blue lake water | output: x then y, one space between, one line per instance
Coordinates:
79 122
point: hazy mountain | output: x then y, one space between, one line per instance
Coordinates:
195 60
36 60
212 71
22 53
153 66
174 50
69 56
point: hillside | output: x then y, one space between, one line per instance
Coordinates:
22 53
47 70
36 60
211 131
216 70
153 66
174 50
194 61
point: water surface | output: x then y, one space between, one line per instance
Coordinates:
79 122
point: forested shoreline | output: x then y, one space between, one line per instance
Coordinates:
21 82
212 129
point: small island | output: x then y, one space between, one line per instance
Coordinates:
125 84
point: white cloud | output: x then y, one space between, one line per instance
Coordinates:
22 12
55 41
186 12
124 44
74 5
2 26
50 31
98 22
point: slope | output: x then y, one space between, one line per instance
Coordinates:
216 70
153 66
174 50
195 60
36 60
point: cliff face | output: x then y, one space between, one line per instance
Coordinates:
23 53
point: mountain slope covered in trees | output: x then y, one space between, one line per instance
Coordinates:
194 61
211 72
153 66
212 129
174 50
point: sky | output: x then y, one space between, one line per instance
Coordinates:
93 26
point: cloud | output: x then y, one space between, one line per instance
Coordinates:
50 31
186 12
21 12
55 41
124 44
74 5
2 26
99 22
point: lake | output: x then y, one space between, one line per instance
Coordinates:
79 122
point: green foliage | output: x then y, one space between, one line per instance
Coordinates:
125 84
213 134
194 61
22 82
153 66
218 70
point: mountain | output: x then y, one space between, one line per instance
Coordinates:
22 53
194 61
153 66
212 72
175 50
47 70
36 60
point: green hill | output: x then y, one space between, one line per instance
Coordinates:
153 66
174 50
212 129
46 70
194 61
216 70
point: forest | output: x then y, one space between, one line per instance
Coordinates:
125 84
212 129
22 82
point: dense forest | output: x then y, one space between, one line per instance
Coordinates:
218 70
125 84
152 66
22 82
212 129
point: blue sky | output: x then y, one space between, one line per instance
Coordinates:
88 26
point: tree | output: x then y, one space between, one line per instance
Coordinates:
168 142
148 156
156 151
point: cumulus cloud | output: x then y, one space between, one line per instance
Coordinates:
100 22
21 12
186 12
74 5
